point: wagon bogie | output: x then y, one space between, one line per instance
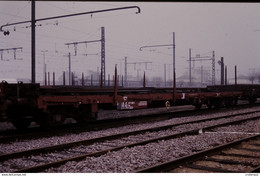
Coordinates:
20 116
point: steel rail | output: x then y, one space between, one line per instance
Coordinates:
169 165
256 170
101 139
81 157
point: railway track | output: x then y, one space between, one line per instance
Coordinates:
239 156
36 132
56 155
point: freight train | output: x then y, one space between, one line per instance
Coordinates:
21 103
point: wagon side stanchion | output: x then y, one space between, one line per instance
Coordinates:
115 87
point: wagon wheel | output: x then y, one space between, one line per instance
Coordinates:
231 102
209 104
21 122
252 100
44 119
18 118
234 101
218 103
198 105
228 103
83 115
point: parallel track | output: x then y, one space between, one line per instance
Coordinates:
208 160
104 139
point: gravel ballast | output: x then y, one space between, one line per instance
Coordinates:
130 159
49 141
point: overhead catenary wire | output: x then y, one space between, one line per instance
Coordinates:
18 12
57 7
39 24
12 15
56 36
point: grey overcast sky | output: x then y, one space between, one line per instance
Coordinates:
232 30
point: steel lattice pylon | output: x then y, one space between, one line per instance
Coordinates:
103 57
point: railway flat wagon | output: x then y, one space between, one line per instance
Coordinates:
250 92
23 103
